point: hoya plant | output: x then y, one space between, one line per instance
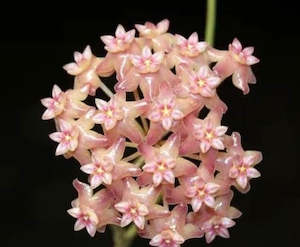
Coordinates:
155 156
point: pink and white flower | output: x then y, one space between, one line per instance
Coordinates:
204 82
147 62
119 43
161 169
242 170
82 62
67 137
99 170
217 226
132 211
190 47
165 109
86 218
167 238
201 193
109 113
209 135
150 30
243 56
55 105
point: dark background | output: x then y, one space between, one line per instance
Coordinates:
37 40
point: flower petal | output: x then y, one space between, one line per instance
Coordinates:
91 229
79 225
209 201
120 31
211 188
167 123
220 130
193 39
74 212
87 53
223 232
242 181
56 91
139 221
126 220
204 146
250 60
237 44
196 204
253 173
156 240
169 177
217 144
146 52
157 178
96 180
88 168
48 114
177 114
122 206
210 236
62 148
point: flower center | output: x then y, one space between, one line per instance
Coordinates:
109 113
209 135
201 193
100 170
166 110
216 227
133 211
201 83
242 169
161 166
68 137
147 62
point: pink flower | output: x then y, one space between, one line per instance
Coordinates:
119 43
86 218
243 56
55 105
242 170
147 63
92 212
109 113
165 108
190 47
217 226
150 30
167 238
201 193
107 165
171 230
163 163
236 62
236 166
209 135
67 137
132 211
82 62
203 82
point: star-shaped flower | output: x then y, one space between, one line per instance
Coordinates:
147 62
237 62
107 165
67 137
55 105
118 117
164 164
82 62
190 47
92 212
172 230
150 30
119 43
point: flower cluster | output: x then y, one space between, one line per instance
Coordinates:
180 159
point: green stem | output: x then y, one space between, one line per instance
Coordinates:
210 21
123 237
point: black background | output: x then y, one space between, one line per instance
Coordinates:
37 40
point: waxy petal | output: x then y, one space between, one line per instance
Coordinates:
196 204
139 221
253 173
157 178
218 144
79 225
242 181
126 220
